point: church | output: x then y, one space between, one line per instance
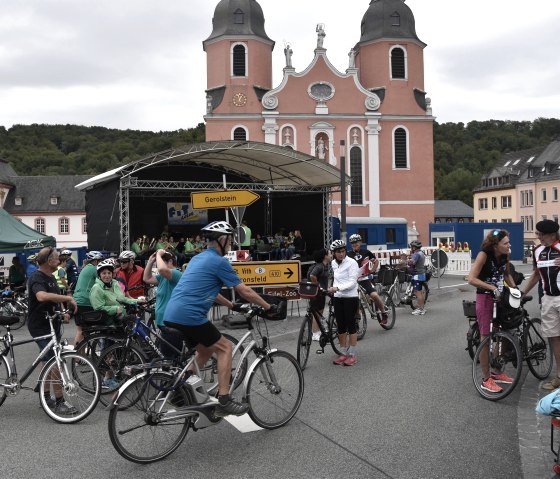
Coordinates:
374 113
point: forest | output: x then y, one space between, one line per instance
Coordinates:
462 152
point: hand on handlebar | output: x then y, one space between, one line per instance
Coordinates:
240 307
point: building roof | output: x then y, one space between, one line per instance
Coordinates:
388 19
36 193
6 173
452 209
238 17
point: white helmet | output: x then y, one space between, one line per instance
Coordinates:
91 255
337 244
127 255
354 238
216 229
106 264
65 252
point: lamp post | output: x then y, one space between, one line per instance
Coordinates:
343 190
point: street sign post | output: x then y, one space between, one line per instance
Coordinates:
222 199
268 273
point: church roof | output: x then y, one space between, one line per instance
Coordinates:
388 19
238 17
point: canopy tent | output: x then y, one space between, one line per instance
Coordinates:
16 236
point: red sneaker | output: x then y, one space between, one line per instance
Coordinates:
490 386
340 359
501 378
351 360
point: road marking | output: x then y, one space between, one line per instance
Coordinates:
243 423
453 285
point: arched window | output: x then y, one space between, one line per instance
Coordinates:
240 134
395 19
400 148
398 63
356 193
239 61
238 17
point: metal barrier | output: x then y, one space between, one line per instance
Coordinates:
458 263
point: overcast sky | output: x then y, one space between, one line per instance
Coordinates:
139 64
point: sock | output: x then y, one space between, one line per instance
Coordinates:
352 351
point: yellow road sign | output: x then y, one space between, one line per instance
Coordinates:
222 199
266 273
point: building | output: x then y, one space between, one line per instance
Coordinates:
49 204
451 211
523 187
376 106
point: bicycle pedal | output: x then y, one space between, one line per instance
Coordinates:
320 351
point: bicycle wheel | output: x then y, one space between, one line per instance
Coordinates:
537 349
112 367
361 322
473 339
4 376
390 311
92 346
504 357
209 372
78 382
331 334
274 390
414 300
304 342
10 307
144 431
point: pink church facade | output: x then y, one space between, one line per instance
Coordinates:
377 106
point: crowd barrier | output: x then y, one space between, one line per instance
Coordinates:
457 263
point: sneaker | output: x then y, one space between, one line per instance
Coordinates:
64 408
351 360
231 408
316 336
110 383
384 318
551 385
501 378
490 386
51 402
419 312
68 347
340 359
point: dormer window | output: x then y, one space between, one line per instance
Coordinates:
238 17
18 201
395 19
54 200
530 172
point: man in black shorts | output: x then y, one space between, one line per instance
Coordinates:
363 256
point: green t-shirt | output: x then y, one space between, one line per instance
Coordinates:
86 280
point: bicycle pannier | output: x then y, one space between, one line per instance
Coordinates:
91 318
308 290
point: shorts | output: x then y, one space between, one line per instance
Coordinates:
484 311
417 281
318 303
345 313
206 334
42 343
550 316
367 285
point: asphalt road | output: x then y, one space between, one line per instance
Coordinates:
408 409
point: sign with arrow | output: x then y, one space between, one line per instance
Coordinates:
267 273
222 199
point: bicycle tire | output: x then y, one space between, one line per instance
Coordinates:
274 401
390 311
361 323
113 361
136 431
82 399
4 376
473 339
414 301
332 334
304 342
537 349
11 307
93 345
506 359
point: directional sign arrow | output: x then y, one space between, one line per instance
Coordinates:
289 273
222 199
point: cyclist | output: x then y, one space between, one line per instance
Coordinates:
364 258
319 274
86 280
346 302
131 273
416 263
193 298
44 296
71 268
488 273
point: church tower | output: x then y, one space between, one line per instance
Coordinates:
239 68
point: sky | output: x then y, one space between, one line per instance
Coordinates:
139 64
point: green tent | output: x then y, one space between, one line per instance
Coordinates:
15 236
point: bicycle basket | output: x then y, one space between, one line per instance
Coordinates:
92 318
469 308
387 276
308 290
282 303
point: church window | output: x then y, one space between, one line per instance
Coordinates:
240 134
400 148
239 61
398 63
238 17
356 193
395 19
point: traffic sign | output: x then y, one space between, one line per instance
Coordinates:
288 292
266 273
222 199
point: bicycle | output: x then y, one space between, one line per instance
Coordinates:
409 296
154 410
14 303
367 304
68 373
535 348
435 271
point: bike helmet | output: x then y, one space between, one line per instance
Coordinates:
415 244
65 252
32 257
106 264
355 238
91 255
216 229
337 244
127 255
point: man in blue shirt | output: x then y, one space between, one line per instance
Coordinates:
192 299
